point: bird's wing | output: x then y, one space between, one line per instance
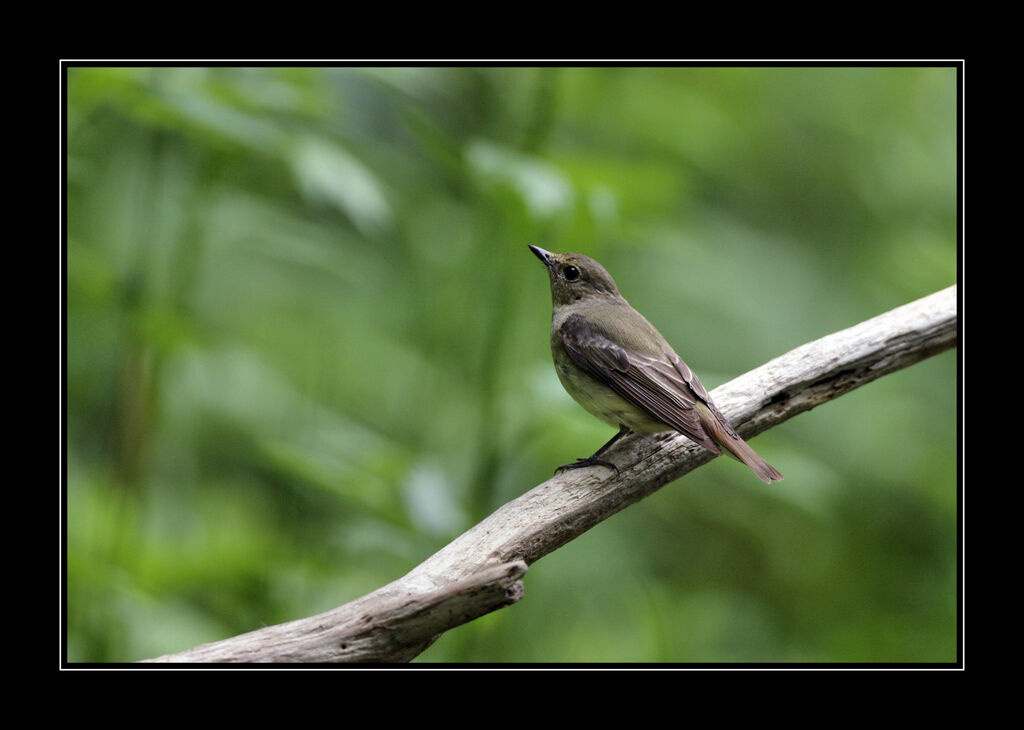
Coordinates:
663 386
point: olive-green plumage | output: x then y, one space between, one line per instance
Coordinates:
616 365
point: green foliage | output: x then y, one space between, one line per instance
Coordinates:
307 346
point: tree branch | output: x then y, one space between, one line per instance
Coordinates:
480 571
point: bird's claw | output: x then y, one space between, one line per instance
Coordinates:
589 461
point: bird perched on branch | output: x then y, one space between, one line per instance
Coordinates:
616 365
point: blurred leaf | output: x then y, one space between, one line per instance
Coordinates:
327 174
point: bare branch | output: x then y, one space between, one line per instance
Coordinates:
481 570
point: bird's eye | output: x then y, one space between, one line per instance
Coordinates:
571 273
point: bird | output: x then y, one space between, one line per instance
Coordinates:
616 365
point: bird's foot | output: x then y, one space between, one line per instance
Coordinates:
589 461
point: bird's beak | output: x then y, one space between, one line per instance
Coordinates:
543 255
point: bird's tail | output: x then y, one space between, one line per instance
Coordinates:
718 428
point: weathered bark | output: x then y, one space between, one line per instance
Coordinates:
481 570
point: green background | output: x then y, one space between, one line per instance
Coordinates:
307 346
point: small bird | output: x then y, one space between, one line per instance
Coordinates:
616 365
